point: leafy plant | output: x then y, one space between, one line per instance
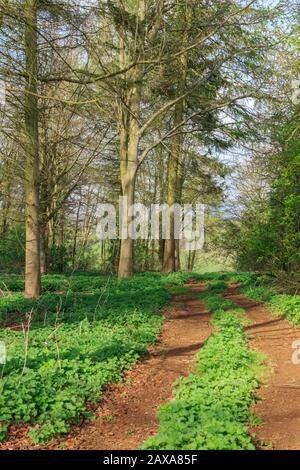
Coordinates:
281 304
211 409
77 343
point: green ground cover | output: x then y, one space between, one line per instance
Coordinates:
73 344
263 289
211 408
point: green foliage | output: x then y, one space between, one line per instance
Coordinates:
178 290
244 278
58 258
89 281
215 302
267 237
179 278
12 250
217 286
260 294
281 304
287 305
56 282
214 276
211 408
77 343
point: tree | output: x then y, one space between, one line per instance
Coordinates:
32 162
134 98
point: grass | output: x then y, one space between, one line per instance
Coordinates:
261 289
84 282
211 408
179 290
216 286
73 344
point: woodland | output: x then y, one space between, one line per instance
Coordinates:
161 102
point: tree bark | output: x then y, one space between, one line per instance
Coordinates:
43 255
169 264
32 226
128 179
129 142
171 261
5 209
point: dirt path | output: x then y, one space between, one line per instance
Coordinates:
280 407
127 415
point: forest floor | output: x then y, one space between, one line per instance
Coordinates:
128 412
279 409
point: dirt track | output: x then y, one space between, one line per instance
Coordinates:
280 407
126 416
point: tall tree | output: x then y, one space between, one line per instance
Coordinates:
129 108
32 222
183 23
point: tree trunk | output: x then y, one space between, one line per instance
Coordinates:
128 179
5 209
74 247
191 260
43 256
129 143
177 256
32 248
169 264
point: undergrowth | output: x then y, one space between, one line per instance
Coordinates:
211 408
63 349
84 282
262 290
